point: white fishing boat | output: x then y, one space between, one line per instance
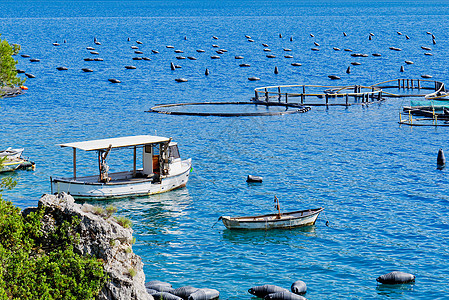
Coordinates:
11 160
162 170
270 221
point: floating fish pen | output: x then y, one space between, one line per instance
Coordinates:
318 95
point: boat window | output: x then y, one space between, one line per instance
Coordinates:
148 148
173 151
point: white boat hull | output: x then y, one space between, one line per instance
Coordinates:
122 185
265 222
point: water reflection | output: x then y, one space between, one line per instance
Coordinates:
393 290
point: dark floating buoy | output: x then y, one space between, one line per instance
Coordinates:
252 178
348 70
426 48
172 66
29 75
333 77
299 287
35 60
206 72
25 55
185 291
155 51
61 68
344 34
284 296
355 63
181 80
369 38
396 277
441 160
336 48
204 294
87 70
244 65
276 70
238 57
263 290
426 76
407 37
402 69
409 62
200 50
376 54
253 78
296 64
130 67
113 80
288 56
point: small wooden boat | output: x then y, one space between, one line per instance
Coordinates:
270 221
11 153
11 160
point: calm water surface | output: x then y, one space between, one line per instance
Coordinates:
386 203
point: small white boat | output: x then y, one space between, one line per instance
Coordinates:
162 170
10 165
11 154
270 221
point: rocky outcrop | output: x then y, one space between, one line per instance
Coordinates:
104 238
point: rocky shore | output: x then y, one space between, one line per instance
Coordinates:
100 236
7 91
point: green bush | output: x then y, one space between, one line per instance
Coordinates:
125 222
30 269
8 73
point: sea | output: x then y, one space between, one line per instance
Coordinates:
386 203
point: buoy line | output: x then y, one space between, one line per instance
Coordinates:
161 109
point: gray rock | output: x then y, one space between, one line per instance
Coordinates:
100 236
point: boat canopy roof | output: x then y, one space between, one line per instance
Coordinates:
120 142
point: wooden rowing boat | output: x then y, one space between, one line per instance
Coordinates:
280 220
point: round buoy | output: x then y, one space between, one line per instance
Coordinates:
264 290
299 287
396 277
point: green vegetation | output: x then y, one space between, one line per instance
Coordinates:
8 73
124 222
42 265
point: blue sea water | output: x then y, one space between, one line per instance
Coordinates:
386 203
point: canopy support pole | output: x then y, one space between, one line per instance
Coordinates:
74 163
134 161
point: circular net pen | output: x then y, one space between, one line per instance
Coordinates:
229 109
